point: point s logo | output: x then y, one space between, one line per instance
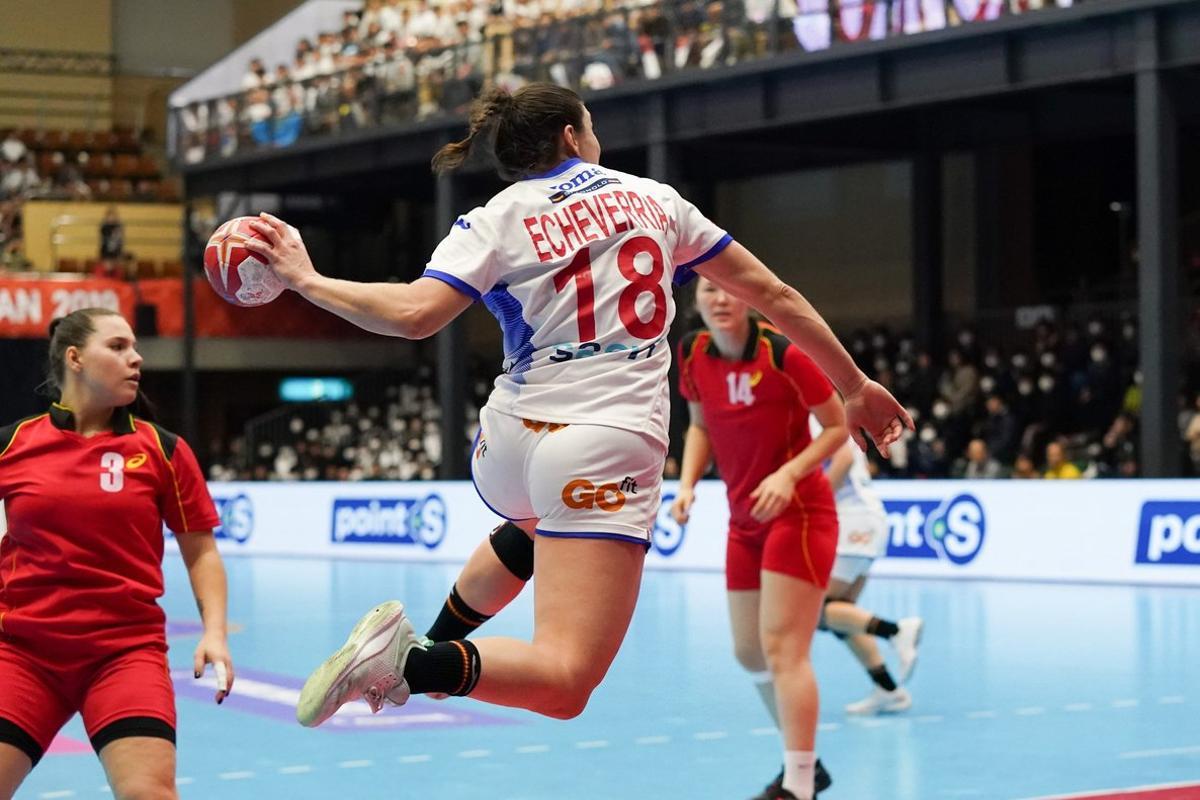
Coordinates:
582 493
950 530
1169 533
404 520
237 518
667 536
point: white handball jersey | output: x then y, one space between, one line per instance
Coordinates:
577 265
856 492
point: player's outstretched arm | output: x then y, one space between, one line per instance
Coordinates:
869 407
411 310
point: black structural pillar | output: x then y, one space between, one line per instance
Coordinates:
451 355
1159 306
927 252
188 422
661 163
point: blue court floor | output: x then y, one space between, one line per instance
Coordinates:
1023 691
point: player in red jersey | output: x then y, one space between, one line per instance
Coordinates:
750 392
87 487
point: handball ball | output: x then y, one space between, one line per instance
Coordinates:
238 274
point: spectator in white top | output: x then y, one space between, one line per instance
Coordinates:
389 16
423 24
13 148
256 75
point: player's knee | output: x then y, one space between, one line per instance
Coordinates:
750 656
514 548
145 787
784 648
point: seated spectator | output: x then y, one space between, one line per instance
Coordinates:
978 463
112 237
256 75
12 149
1024 469
1057 465
1000 431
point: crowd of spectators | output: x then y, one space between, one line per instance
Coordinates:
1060 402
398 60
399 438
71 165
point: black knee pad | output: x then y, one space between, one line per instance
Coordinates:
514 549
821 622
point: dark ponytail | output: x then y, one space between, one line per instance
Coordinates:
520 130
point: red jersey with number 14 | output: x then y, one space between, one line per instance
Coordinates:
755 410
81 564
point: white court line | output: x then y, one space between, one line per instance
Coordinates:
1165 751
1172 700
981 715
1078 707
1030 711
929 718
709 736
475 754
1118 789
763 731
829 726
652 740
534 748
419 759
297 769
1130 703
239 775
359 764
104 788
60 793
180 782
595 744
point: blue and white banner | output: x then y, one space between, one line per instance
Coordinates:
1107 531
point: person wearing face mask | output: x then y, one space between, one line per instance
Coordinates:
87 487
959 384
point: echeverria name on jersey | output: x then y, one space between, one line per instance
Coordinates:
590 219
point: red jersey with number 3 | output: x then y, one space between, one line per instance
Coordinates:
755 410
81 563
577 264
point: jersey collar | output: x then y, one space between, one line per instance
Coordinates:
63 418
751 350
559 170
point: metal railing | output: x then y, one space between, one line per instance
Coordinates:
392 86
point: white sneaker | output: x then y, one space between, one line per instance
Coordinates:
369 665
881 701
905 644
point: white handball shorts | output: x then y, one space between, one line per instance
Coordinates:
862 537
578 481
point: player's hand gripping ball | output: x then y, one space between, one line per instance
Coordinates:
236 273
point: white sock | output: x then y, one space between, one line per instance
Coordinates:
760 678
798 768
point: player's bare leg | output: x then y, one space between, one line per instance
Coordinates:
14 766
140 768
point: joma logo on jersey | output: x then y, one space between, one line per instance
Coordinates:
952 530
564 193
582 493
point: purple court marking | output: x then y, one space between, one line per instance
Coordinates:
267 694
66 746
177 627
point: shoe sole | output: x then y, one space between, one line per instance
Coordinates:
320 688
906 676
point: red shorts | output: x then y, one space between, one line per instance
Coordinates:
126 694
801 542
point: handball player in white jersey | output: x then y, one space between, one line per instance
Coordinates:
862 538
577 263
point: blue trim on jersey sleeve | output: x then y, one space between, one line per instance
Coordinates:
458 283
518 335
560 169
619 537
684 273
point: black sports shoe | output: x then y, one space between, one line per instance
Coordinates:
775 791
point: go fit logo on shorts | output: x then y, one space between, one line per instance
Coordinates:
582 493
